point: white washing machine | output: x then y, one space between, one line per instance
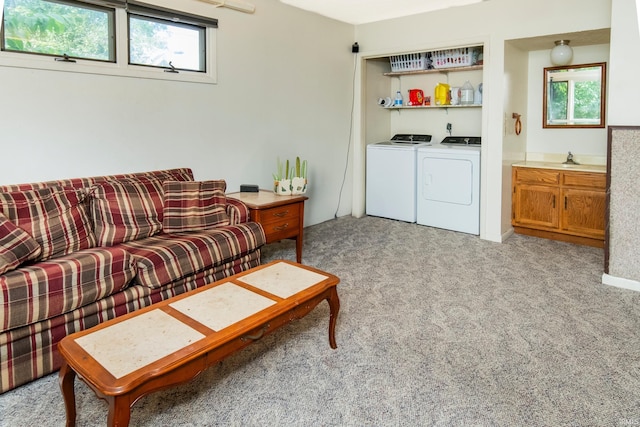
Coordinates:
448 194
391 177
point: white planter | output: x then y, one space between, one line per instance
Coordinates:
298 185
282 187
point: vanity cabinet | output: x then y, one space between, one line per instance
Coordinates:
559 204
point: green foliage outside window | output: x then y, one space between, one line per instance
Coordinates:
574 100
586 104
51 28
559 100
84 31
159 42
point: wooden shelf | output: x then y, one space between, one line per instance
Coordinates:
423 107
433 71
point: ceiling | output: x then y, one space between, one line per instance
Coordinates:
583 38
364 11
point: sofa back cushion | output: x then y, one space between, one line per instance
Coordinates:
182 174
55 217
16 246
127 209
194 206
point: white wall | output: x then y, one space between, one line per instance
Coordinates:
587 145
489 23
464 121
284 89
514 146
624 91
624 85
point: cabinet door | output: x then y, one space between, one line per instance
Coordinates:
535 206
584 212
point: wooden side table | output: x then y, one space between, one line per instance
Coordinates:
282 217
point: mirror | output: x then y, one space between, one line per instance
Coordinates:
574 96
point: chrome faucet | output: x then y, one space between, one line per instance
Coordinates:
570 160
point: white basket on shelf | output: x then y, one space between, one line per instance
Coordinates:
409 62
450 58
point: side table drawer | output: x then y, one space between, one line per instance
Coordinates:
287 213
281 217
281 222
280 230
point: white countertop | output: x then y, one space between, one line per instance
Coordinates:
560 166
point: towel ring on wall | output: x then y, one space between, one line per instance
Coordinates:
518 125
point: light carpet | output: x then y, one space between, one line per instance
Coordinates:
436 328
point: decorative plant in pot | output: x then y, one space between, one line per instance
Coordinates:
287 181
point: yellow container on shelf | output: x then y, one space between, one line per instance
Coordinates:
442 95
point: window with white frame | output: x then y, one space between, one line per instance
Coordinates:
108 37
161 43
59 29
575 96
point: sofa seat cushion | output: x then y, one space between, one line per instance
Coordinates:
16 246
55 217
164 258
49 288
194 206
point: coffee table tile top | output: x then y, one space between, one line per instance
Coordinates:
282 279
222 306
115 347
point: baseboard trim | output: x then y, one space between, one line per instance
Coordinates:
620 282
507 234
563 237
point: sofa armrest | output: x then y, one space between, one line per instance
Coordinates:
238 212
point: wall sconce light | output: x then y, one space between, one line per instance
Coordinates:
562 53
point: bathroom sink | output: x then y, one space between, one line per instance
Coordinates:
557 165
566 166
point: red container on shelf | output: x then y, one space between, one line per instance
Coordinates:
416 97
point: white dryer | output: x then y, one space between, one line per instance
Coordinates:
448 193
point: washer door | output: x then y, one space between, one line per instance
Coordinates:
447 180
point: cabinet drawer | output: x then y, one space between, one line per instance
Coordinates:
279 214
537 176
585 179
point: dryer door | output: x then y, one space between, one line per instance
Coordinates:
449 191
447 180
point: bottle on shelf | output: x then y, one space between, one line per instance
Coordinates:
398 101
477 97
466 94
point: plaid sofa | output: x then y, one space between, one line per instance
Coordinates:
77 252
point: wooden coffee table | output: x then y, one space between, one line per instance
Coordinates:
171 342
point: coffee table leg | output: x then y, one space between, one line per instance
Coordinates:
119 411
334 307
66 379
